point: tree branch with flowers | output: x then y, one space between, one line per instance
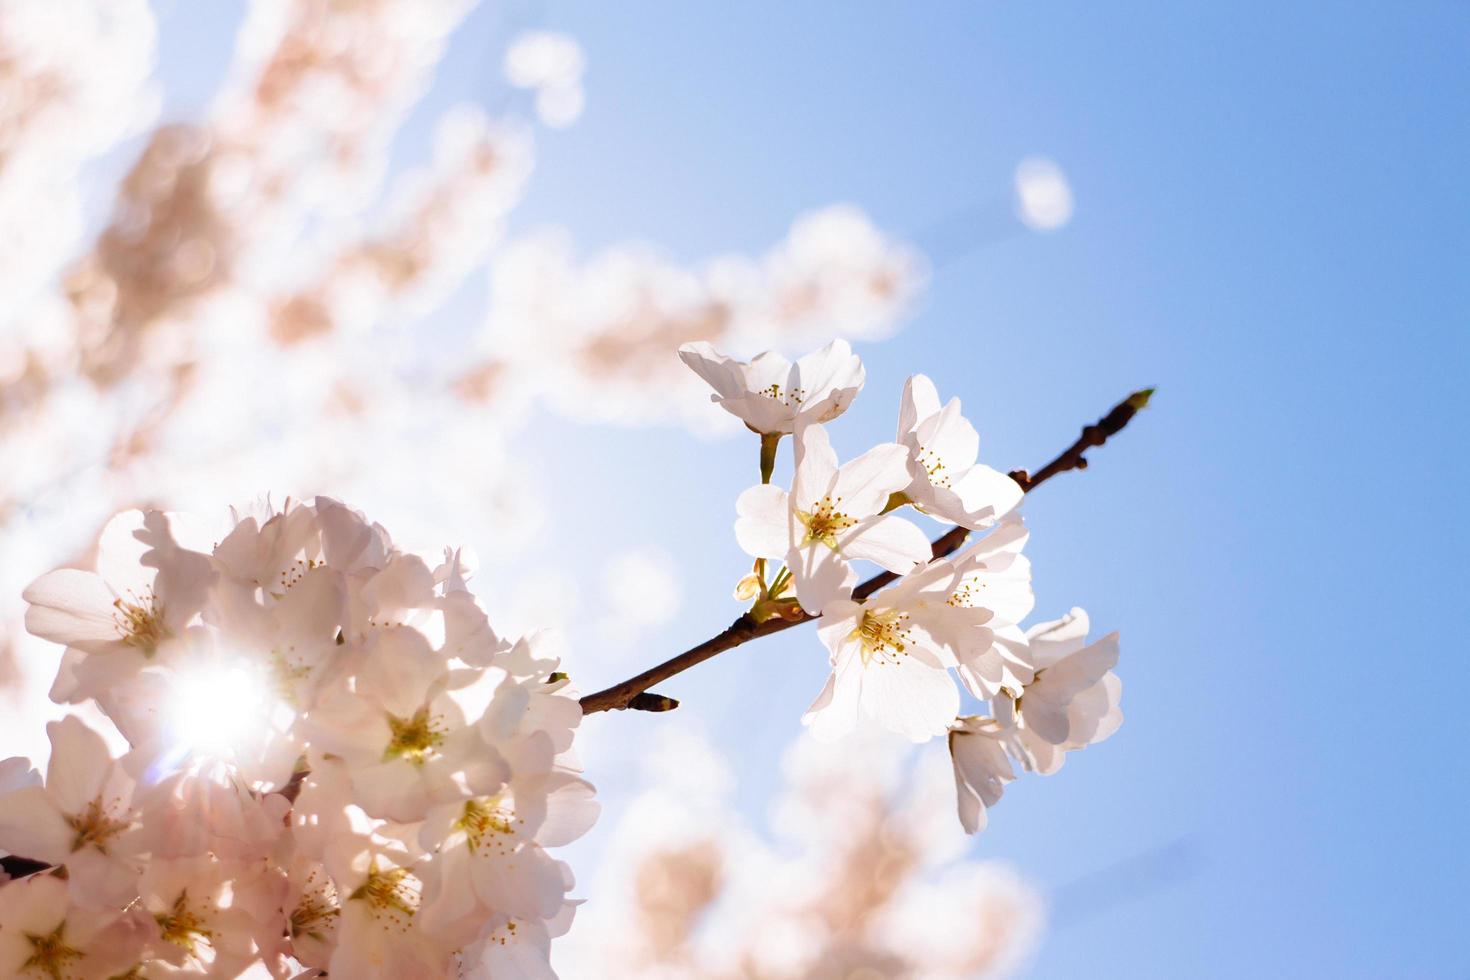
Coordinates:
336 766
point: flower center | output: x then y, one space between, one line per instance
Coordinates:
825 521
49 953
486 820
317 907
966 596
883 636
505 935
933 465
182 926
95 825
139 621
295 572
791 398
391 892
415 738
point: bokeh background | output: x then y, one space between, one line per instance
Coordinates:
446 285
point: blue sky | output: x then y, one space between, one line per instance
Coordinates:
1271 226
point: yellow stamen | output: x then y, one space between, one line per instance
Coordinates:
96 826
182 926
415 738
487 821
49 953
139 621
825 521
883 636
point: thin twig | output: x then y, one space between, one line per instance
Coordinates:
633 692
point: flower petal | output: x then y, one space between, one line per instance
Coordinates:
911 698
887 540
866 483
762 528
820 576
816 466
79 766
73 607
835 711
920 400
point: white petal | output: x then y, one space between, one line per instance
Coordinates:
950 438
79 765
835 711
831 378
120 553
920 400
820 576
866 483
981 772
1059 638
571 812
400 669
911 698
763 528
73 607
889 541
816 466
761 412
712 366
986 495
1074 674
183 578
31 826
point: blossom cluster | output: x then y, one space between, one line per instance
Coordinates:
332 762
950 624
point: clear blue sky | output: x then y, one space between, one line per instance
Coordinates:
1273 226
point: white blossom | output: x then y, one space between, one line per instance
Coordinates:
82 817
770 394
948 484
832 515
43 933
1071 702
891 655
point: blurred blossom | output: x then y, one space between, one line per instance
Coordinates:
597 340
872 887
74 79
443 221
552 65
1043 196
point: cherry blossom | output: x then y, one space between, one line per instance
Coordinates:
1071 702
948 484
981 769
832 515
891 655
323 733
82 817
43 933
994 575
770 394
148 591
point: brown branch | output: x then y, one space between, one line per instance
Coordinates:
633 692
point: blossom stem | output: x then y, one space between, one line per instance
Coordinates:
631 693
769 442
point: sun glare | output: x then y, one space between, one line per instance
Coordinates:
215 712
